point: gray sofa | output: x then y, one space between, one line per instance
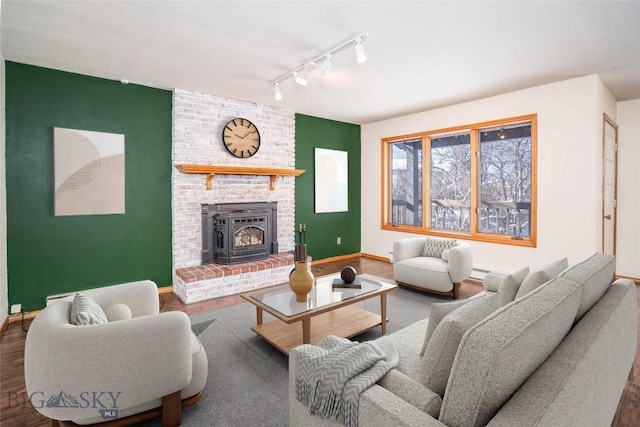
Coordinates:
438 269
557 355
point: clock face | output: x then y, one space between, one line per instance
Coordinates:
241 138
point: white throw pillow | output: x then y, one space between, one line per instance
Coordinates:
85 311
118 312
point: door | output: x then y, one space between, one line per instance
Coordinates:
609 184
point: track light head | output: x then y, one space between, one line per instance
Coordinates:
326 65
360 55
276 92
299 79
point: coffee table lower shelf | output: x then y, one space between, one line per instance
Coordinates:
345 322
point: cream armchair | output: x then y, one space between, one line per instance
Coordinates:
148 365
440 274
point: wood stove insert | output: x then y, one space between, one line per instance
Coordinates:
234 233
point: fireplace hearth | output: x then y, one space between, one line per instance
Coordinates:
234 233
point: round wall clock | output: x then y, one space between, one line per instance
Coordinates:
241 138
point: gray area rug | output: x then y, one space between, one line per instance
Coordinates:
247 381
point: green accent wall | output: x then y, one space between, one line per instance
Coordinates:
324 228
49 255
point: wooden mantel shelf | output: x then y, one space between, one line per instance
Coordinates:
211 171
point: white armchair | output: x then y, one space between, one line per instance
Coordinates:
436 274
148 365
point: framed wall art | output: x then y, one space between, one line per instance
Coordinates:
89 172
331 180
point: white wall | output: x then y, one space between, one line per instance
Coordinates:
4 299
628 236
569 164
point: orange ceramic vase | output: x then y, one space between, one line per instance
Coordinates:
301 281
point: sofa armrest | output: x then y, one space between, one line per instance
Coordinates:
408 248
141 297
376 407
460 262
138 360
492 281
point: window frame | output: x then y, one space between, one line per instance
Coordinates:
474 233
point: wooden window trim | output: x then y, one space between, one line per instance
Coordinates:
473 235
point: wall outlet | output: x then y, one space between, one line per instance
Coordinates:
16 308
339 240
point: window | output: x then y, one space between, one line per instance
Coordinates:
406 182
475 181
451 182
505 181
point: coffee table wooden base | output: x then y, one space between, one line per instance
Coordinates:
344 322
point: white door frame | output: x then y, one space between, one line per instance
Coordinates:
609 184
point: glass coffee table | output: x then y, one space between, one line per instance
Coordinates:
329 310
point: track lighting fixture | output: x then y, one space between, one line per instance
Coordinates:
276 92
299 79
326 63
360 55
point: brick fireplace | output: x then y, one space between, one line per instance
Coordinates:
198 120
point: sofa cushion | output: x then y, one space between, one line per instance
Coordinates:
595 274
118 312
581 382
85 311
428 272
541 275
434 247
411 391
438 312
492 281
441 348
510 285
498 354
533 281
554 268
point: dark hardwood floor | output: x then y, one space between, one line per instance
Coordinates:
15 410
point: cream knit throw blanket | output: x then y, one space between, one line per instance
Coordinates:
331 376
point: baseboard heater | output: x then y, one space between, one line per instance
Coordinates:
53 298
478 274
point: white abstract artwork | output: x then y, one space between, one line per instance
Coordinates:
89 173
331 180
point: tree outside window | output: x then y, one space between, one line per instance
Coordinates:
476 182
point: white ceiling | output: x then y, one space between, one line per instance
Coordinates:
421 54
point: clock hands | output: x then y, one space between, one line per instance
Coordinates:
245 135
